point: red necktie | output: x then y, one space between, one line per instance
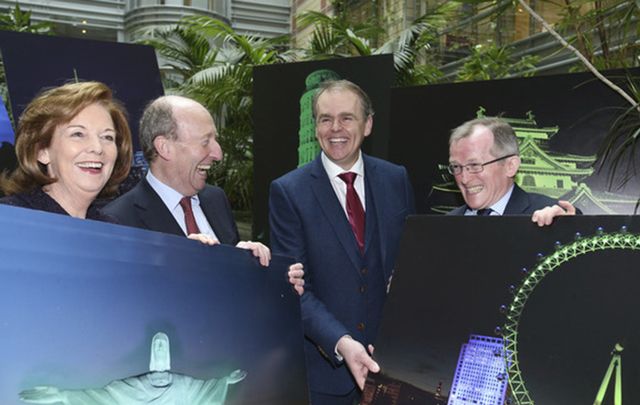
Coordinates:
355 212
189 219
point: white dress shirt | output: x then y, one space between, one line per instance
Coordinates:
339 186
171 198
497 208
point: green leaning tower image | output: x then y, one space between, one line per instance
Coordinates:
308 147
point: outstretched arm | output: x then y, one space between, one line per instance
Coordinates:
42 395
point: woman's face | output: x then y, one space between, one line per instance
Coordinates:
82 154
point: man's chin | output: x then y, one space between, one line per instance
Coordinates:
198 185
474 205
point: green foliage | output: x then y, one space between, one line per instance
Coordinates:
207 60
18 20
184 51
415 50
605 32
337 36
493 62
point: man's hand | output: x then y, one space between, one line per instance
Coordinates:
259 250
204 238
296 274
357 359
545 216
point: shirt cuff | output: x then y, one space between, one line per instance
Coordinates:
335 350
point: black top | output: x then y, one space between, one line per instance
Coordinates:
39 200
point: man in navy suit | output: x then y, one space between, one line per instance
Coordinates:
178 139
484 158
346 234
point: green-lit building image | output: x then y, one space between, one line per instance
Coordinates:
308 147
557 175
543 171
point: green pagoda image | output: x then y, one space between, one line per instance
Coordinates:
557 175
541 170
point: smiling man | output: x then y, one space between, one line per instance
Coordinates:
341 216
484 159
178 139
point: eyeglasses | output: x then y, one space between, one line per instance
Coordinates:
456 169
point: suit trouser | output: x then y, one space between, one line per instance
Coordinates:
351 398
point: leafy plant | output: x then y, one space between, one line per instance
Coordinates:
415 50
205 59
18 20
493 62
337 36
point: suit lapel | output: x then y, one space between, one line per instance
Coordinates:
207 207
518 202
153 213
332 210
375 201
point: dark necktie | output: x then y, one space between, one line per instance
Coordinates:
189 219
355 212
484 212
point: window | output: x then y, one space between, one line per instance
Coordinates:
528 181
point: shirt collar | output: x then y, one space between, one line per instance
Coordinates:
169 196
333 170
500 205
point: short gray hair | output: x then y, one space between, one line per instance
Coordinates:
505 141
343 85
157 119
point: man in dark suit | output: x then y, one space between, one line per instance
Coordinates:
341 216
484 158
178 139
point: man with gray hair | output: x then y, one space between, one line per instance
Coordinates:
484 159
178 139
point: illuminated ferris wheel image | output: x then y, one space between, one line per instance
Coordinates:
558 329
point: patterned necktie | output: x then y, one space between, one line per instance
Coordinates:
355 212
484 212
189 219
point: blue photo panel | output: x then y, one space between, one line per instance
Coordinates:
81 301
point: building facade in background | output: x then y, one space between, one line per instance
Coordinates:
123 20
476 26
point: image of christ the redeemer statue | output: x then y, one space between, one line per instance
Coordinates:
158 387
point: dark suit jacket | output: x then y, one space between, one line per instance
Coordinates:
308 223
520 203
143 208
